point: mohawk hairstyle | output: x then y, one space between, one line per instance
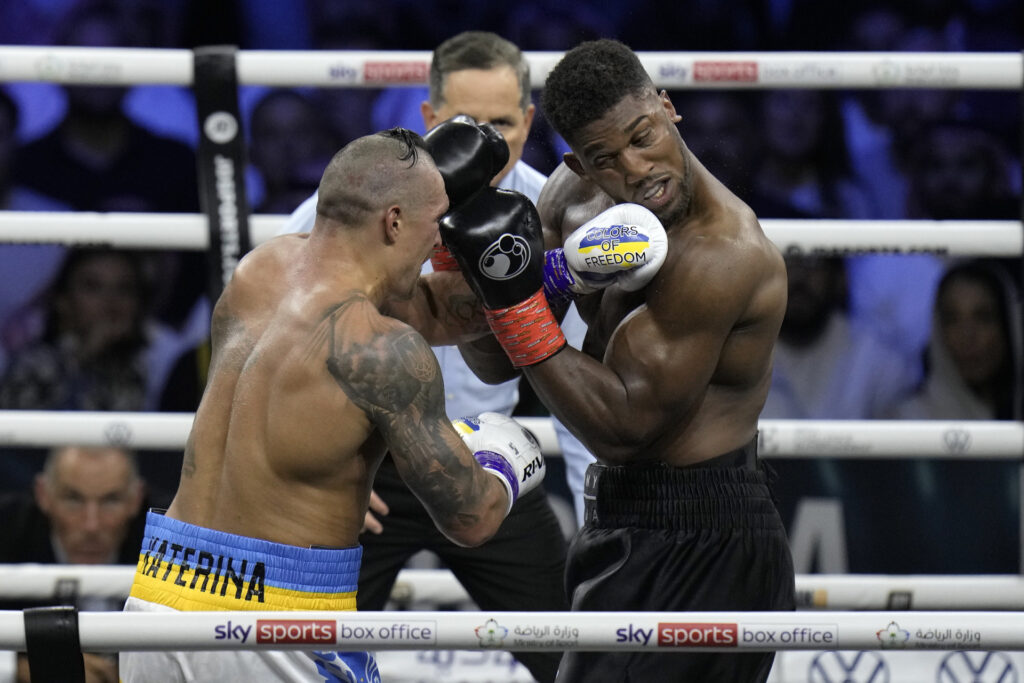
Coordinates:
362 175
589 80
410 142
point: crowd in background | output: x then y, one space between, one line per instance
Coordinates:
865 337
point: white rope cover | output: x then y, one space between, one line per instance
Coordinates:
439 586
814 591
126 230
355 68
190 231
538 631
778 438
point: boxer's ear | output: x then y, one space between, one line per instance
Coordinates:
670 109
429 115
573 162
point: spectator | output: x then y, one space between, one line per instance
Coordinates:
719 129
991 26
349 111
880 123
955 171
805 163
959 171
291 145
869 135
827 367
85 510
98 159
99 350
964 511
13 196
26 267
974 356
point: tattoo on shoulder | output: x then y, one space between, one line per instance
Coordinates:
383 366
389 371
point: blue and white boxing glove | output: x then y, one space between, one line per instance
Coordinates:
505 449
624 244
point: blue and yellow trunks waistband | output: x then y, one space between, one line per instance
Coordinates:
191 568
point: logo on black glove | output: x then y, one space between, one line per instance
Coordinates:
505 258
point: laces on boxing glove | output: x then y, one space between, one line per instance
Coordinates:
442 259
527 331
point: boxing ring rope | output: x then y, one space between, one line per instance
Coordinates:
439 586
538 631
808 629
998 440
356 68
189 231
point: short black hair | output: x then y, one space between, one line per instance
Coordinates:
589 80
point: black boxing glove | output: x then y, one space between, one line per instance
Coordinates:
496 238
468 155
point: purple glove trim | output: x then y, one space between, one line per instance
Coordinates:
496 463
558 281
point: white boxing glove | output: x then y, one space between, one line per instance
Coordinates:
505 449
624 244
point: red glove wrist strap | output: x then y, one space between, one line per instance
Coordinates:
527 331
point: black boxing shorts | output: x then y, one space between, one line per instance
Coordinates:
659 538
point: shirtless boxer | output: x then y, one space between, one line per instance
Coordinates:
321 362
679 515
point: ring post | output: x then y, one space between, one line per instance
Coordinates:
54 649
221 157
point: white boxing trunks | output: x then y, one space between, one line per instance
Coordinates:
183 567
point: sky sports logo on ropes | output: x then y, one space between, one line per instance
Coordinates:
310 631
705 635
307 631
671 634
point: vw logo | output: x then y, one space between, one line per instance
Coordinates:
957 440
976 667
118 434
848 667
505 258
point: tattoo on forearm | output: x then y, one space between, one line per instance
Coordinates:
466 309
389 371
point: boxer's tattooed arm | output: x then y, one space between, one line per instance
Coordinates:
444 310
465 309
389 371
